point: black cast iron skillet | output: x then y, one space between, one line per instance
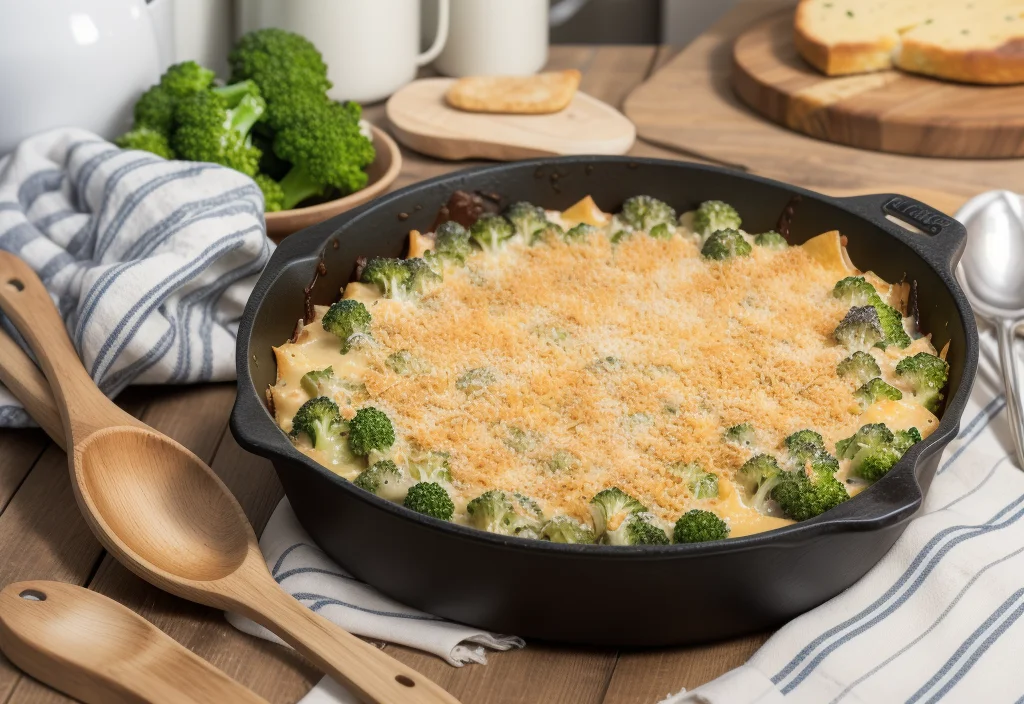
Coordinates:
600 595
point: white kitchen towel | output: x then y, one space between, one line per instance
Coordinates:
939 618
310 576
149 261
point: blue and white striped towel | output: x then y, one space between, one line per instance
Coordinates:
311 577
939 618
150 261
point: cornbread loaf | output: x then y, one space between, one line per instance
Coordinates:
974 41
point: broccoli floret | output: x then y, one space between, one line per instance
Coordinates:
872 450
759 475
645 213
185 78
209 130
771 240
430 499
638 528
156 107
451 244
328 151
726 244
475 381
714 215
284 65
273 194
859 366
697 526
802 495
905 439
702 485
430 466
854 291
370 430
147 140
320 419
155 110
519 440
803 445
891 321
563 461
391 276
876 390
345 319
579 233
497 512
311 381
491 232
860 329
742 434
926 374
662 231
422 276
565 529
610 508
385 479
527 219
401 362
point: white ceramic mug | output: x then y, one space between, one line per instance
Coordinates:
495 37
370 46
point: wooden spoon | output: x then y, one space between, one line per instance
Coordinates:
165 515
91 648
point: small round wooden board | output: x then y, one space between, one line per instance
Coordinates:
889 111
422 120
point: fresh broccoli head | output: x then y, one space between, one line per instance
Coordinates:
156 107
185 78
714 215
451 244
320 419
491 232
430 466
854 291
859 366
610 507
209 130
273 194
638 528
312 382
155 110
802 495
565 529
759 475
891 321
876 390
860 329
527 219
391 276
430 499
370 430
926 374
645 213
579 233
497 512
726 244
422 276
385 479
697 526
804 445
702 485
742 434
147 140
872 450
771 240
345 319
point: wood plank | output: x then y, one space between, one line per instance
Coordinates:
21 449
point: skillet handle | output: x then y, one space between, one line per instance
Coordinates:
942 239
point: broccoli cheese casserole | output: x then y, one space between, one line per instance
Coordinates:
624 379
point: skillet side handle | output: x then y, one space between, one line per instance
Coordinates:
941 240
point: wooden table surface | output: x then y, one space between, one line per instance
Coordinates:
43 536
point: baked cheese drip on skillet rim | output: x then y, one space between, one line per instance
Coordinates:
623 379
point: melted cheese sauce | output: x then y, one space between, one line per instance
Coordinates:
630 357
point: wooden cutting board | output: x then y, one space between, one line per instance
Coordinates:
422 120
889 111
690 106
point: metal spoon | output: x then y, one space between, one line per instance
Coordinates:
164 514
992 274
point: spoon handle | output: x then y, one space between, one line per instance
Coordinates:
23 379
1006 333
100 652
84 408
373 676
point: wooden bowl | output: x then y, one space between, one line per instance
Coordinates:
383 172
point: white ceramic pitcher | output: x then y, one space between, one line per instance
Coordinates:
78 63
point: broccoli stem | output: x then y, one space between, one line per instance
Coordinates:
298 185
234 93
246 114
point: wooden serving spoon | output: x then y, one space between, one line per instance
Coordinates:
91 648
165 515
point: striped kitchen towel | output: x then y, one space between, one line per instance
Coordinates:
314 579
150 262
939 618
